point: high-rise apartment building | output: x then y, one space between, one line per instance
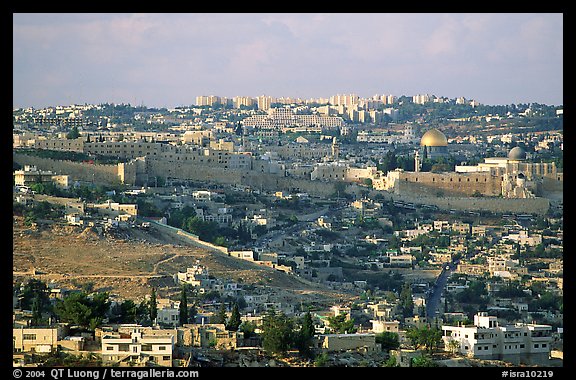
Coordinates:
208 100
345 100
264 102
421 99
243 101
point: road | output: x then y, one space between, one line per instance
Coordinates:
433 301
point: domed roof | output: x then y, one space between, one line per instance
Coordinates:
433 137
517 153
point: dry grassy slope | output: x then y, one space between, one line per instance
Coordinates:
129 263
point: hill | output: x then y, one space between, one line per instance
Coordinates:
128 262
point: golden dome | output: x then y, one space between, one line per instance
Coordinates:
434 137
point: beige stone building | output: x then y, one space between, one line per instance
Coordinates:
38 340
345 342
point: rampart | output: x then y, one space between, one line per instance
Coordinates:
80 171
411 192
449 184
538 206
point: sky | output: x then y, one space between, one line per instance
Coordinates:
168 59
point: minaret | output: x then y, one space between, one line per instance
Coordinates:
417 162
335 149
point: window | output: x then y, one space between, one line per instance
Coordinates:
536 345
165 357
29 337
162 348
110 348
146 347
543 345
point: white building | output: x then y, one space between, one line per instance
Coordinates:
137 348
519 343
380 326
168 313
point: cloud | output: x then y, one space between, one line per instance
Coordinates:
193 54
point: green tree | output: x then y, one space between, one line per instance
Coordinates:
453 346
340 324
221 316
183 310
391 362
321 360
248 328
128 312
35 291
73 134
234 321
388 340
425 337
277 332
308 328
36 312
423 361
305 335
79 309
153 307
406 301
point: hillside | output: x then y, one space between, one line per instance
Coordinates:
129 262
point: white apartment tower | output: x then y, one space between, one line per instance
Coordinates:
264 102
421 99
243 101
344 100
207 100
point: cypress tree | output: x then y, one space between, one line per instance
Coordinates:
153 307
234 321
183 311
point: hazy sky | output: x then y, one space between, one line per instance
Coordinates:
166 60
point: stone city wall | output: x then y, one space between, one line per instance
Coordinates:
406 191
78 171
537 206
449 184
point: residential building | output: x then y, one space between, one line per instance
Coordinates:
30 174
485 339
137 348
379 326
36 339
